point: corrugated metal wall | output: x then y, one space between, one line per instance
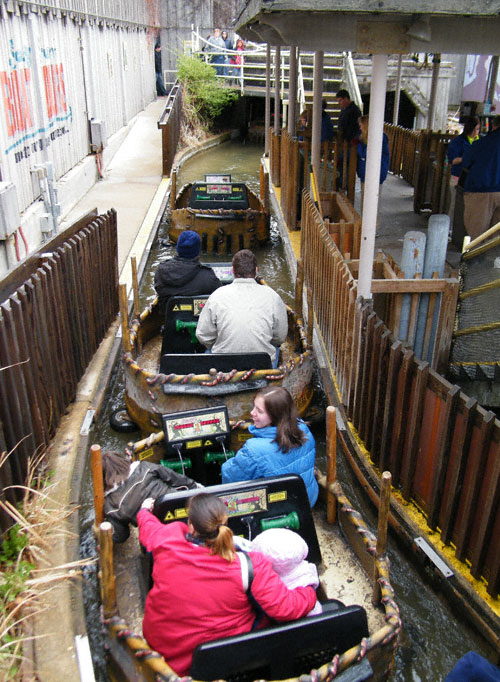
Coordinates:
61 66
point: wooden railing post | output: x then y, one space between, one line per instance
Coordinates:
383 520
135 286
97 483
299 288
107 574
124 317
331 462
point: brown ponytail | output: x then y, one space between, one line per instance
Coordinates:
208 515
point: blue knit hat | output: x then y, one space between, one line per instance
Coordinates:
188 244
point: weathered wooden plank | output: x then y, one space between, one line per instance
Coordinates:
395 360
65 320
456 470
26 301
375 434
448 416
56 330
475 465
12 353
371 389
410 454
42 361
11 409
22 331
404 382
488 513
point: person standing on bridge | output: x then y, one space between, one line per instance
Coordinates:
217 47
455 153
348 120
482 184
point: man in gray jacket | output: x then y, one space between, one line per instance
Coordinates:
244 316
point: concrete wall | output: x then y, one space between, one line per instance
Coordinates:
59 70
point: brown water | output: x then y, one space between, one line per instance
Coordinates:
432 639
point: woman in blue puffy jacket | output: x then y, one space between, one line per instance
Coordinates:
282 443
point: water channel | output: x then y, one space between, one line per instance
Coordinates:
432 639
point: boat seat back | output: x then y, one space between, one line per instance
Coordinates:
231 196
179 328
283 651
253 506
202 363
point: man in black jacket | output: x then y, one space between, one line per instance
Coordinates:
184 275
348 119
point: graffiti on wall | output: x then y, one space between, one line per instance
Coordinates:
28 129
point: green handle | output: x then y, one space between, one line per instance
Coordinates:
190 326
176 465
218 456
290 521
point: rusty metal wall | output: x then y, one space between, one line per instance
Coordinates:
59 68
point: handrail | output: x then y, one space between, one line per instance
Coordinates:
351 79
301 94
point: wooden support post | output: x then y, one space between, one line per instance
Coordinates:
124 315
173 188
331 462
97 483
299 286
135 286
310 316
107 574
383 518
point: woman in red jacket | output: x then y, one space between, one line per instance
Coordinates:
198 593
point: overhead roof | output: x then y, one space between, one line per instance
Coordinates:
376 26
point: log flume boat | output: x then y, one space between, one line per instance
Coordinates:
171 373
227 215
355 642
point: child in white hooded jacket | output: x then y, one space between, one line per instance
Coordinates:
288 552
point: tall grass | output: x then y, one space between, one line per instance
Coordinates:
26 568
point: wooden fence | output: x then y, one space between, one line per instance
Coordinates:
442 448
419 157
170 125
56 309
290 170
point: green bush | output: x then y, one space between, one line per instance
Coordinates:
205 96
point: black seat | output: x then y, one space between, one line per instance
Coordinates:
179 329
282 651
196 363
254 505
288 649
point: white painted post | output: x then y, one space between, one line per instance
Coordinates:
372 176
277 90
436 61
267 111
397 91
292 91
316 111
